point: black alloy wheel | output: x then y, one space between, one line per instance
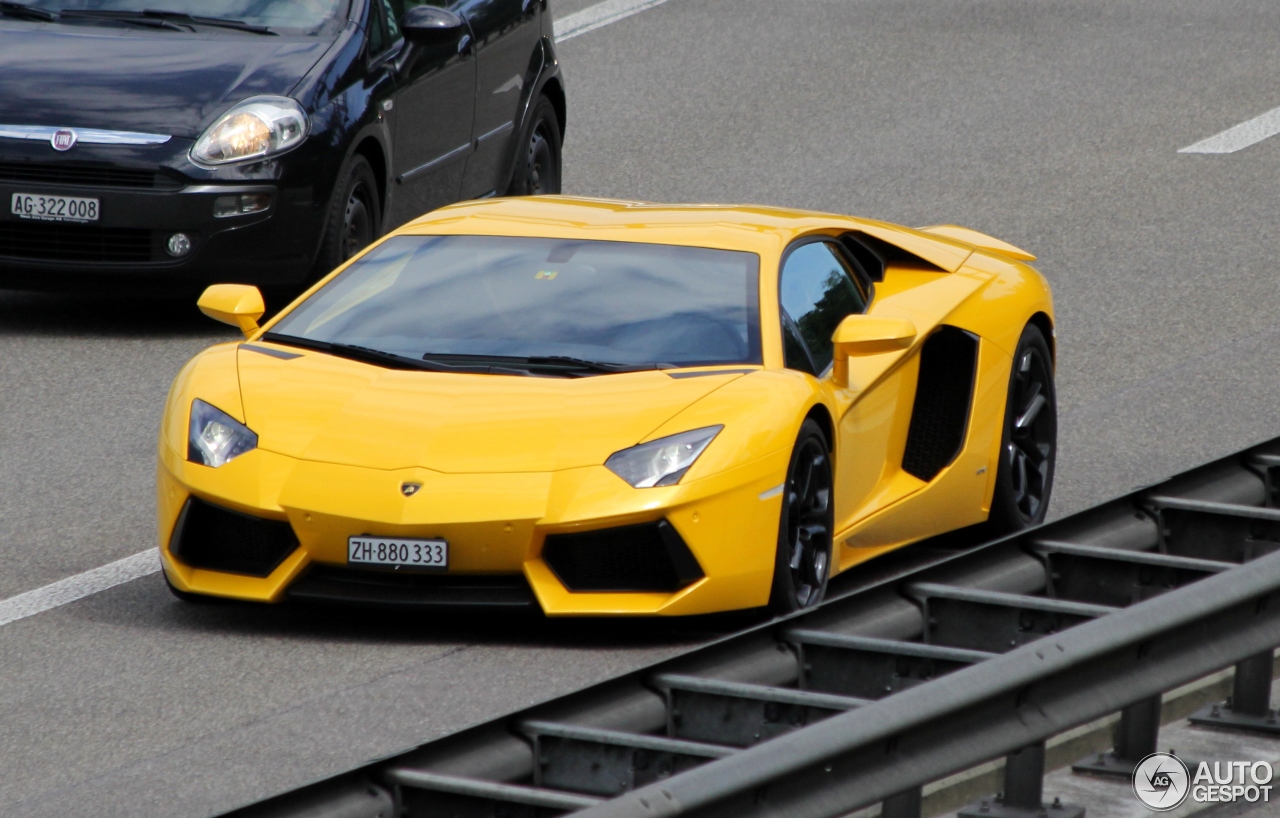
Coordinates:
537 163
355 216
803 562
1029 443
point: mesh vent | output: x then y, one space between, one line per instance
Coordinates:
86 175
54 241
218 539
948 360
330 583
648 557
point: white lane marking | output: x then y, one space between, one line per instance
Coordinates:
599 16
79 586
1241 136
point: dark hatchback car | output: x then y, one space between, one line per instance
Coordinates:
179 142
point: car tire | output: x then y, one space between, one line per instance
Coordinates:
802 564
354 219
536 170
1029 440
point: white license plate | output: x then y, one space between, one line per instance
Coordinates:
54 208
407 553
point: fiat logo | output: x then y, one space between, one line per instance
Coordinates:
63 139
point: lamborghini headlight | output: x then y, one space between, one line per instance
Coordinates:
214 437
661 462
258 128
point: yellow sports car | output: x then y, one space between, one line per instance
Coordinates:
610 408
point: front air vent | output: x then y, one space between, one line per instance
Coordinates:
648 557
948 361
54 241
219 539
87 175
331 583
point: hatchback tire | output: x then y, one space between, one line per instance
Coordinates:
536 171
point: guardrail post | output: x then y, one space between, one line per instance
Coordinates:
1023 795
1136 738
907 804
1249 707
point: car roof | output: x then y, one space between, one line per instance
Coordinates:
752 228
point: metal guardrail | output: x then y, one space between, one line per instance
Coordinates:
984 653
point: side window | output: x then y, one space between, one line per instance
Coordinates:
817 293
393 21
377 28
795 356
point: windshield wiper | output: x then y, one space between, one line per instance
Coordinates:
581 364
374 356
168 19
24 12
545 364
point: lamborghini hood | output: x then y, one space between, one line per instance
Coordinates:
322 408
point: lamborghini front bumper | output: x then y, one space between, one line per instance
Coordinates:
580 541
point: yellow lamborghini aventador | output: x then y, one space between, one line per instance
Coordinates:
610 408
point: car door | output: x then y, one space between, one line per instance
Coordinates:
819 286
507 33
435 107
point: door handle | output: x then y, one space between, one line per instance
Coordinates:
465 45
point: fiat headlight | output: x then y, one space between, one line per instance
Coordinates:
215 438
257 128
661 462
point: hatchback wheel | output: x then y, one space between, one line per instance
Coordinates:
537 162
355 216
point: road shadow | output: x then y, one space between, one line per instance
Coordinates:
106 315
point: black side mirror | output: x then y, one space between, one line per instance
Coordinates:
431 26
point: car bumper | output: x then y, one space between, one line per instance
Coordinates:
143 201
497 526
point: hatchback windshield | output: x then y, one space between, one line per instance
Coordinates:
289 16
481 299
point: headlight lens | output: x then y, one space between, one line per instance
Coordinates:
214 437
661 462
254 129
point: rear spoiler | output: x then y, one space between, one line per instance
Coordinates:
982 240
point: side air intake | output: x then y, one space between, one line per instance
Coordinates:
948 362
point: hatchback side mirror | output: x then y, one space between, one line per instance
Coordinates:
865 335
236 304
432 26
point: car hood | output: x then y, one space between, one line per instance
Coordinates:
327 409
155 82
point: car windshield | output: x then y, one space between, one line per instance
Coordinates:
504 299
287 16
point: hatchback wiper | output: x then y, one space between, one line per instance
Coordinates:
168 19
24 12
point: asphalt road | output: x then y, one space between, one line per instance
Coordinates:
1054 126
